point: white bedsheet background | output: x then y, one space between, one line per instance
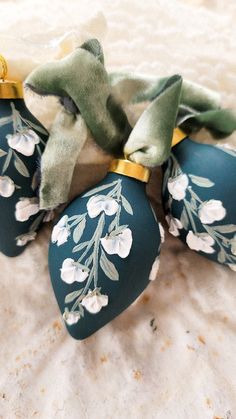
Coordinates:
182 365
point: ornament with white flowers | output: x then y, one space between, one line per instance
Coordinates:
22 142
105 248
106 257
199 201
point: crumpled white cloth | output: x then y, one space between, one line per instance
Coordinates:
172 353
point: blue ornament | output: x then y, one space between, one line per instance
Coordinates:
199 198
104 250
22 142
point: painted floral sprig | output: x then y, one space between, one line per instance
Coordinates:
214 239
105 201
23 141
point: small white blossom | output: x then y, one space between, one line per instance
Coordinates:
119 244
174 225
155 269
98 203
177 186
232 266
211 211
25 208
24 142
71 317
7 186
94 301
203 242
25 238
60 232
71 272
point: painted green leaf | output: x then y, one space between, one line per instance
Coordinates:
5 120
126 205
89 260
2 153
108 268
20 166
72 296
80 247
35 181
221 256
94 191
112 225
184 219
7 161
36 127
229 228
36 223
79 229
193 203
76 219
201 181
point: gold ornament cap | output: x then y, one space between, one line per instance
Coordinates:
9 89
178 136
128 168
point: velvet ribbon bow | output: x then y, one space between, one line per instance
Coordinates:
91 99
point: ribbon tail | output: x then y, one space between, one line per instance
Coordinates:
68 135
149 143
199 106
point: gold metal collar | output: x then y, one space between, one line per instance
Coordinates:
9 89
130 169
137 171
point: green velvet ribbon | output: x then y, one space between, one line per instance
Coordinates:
199 106
91 98
82 84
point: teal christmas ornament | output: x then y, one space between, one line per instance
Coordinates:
199 198
199 180
22 142
104 250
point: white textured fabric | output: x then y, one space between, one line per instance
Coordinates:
172 354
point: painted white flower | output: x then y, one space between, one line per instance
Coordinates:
94 301
162 232
174 225
71 317
25 238
232 266
98 203
7 186
119 244
72 272
203 242
211 211
24 141
155 269
25 208
233 245
60 232
177 186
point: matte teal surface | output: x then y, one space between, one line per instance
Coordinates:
10 228
211 172
133 270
